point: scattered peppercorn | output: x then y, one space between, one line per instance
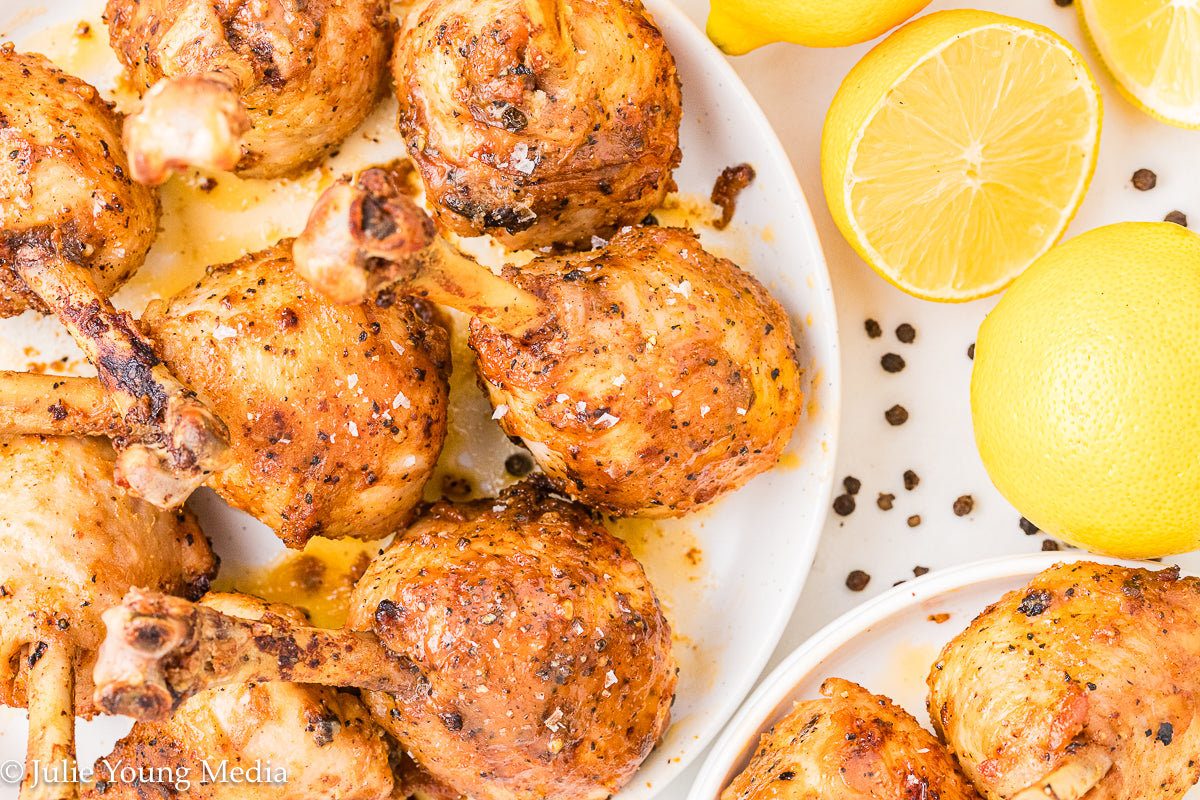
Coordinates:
906 333
964 505
914 520
1063 3
1178 217
843 504
910 480
1144 180
971 351
885 501
1029 528
857 580
891 362
1166 732
896 415
787 775
874 331
518 465
852 484
1050 544
919 571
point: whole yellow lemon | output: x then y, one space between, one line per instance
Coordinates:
739 26
1085 393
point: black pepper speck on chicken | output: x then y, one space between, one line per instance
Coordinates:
647 378
513 646
337 414
1081 684
266 88
73 228
538 121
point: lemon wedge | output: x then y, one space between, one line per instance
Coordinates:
957 151
739 26
1152 50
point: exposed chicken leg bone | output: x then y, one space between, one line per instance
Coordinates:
181 441
363 238
160 650
187 121
1073 779
50 755
53 405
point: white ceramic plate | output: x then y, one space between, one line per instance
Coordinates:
887 645
755 548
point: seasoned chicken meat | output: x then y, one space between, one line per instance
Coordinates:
337 414
1080 684
513 646
322 740
71 544
73 228
648 377
265 88
538 121
850 745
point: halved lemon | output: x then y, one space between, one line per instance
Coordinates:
958 150
1152 50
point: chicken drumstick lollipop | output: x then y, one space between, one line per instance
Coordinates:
337 413
73 228
71 544
538 121
512 645
1081 684
321 741
266 88
646 378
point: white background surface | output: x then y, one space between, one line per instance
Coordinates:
794 85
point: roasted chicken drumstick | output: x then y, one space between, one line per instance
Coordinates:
1081 684
849 745
323 740
73 228
265 88
336 413
512 645
71 544
648 377
538 121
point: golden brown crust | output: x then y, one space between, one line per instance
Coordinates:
852 744
669 379
63 171
531 138
73 544
547 659
310 71
323 739
337 414
1086 664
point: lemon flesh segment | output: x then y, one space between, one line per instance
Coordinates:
974 163
1152 49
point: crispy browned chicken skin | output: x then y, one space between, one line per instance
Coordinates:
538 121
263 87
73 228
337 414
72 544
546 660
852 745
513 645
323 739
648 377
668 377
1081 684
63 172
